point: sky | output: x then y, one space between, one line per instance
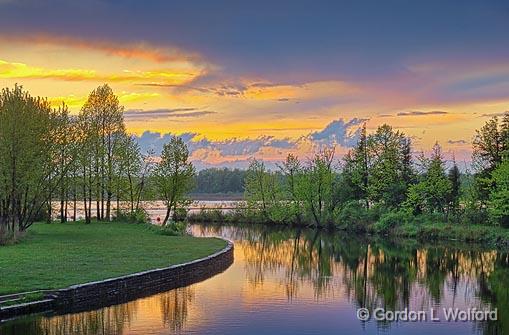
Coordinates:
242 79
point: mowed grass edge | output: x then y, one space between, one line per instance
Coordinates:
59 255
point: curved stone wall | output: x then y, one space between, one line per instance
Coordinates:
122 289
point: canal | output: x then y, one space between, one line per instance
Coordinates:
298 281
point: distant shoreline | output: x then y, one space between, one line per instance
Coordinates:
217 196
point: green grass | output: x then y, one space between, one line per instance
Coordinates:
24 299
59 255
489 235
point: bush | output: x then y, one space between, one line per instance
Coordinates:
181 214
173 229
137 216
207 216
352 216
390 220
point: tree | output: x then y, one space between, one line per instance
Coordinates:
317 187
103 116
390 166
29 132
129 171
173 175
356 171
454 177
220 180
431 193
261 189
499 197
291 170
490 145
67 145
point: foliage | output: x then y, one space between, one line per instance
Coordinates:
174 229
30 137
353 216
102 119
215 180
139 216
432 192
499 196
264 193
390 220
173 176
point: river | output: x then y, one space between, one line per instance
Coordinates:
291 281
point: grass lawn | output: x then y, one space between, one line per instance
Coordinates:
59 255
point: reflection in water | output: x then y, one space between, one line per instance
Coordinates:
283 280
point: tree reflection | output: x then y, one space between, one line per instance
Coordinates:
173 307
375 273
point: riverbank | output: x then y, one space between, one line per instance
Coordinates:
492 236
426 230
54 256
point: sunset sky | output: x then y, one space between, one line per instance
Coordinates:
263 78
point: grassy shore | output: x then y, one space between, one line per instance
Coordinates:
489 235
422 228
59 255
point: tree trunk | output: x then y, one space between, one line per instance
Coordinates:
168 211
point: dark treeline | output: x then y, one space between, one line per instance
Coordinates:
381 184
48 155
215 180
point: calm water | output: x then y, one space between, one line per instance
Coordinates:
302 282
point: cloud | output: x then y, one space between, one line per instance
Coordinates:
141 50
11 70
230 147
421 113
154 141
140 114
495 114
236 152
222 90
456 142
339 132
78 101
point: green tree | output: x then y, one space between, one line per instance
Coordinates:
431 193
355 174
173 176
105 129
390 166
499 196
317 188
29 176
129 171
291 170
453 199
263 192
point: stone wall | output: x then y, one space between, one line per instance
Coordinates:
122 289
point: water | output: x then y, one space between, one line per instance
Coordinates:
288 281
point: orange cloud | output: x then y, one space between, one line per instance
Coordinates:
73 101
140 50
10 70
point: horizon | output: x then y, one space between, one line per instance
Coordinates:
241 81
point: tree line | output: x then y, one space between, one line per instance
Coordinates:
47 155
220 180
381 182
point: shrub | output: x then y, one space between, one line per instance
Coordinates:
207 216
352 216
138 216
173 229
390 220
